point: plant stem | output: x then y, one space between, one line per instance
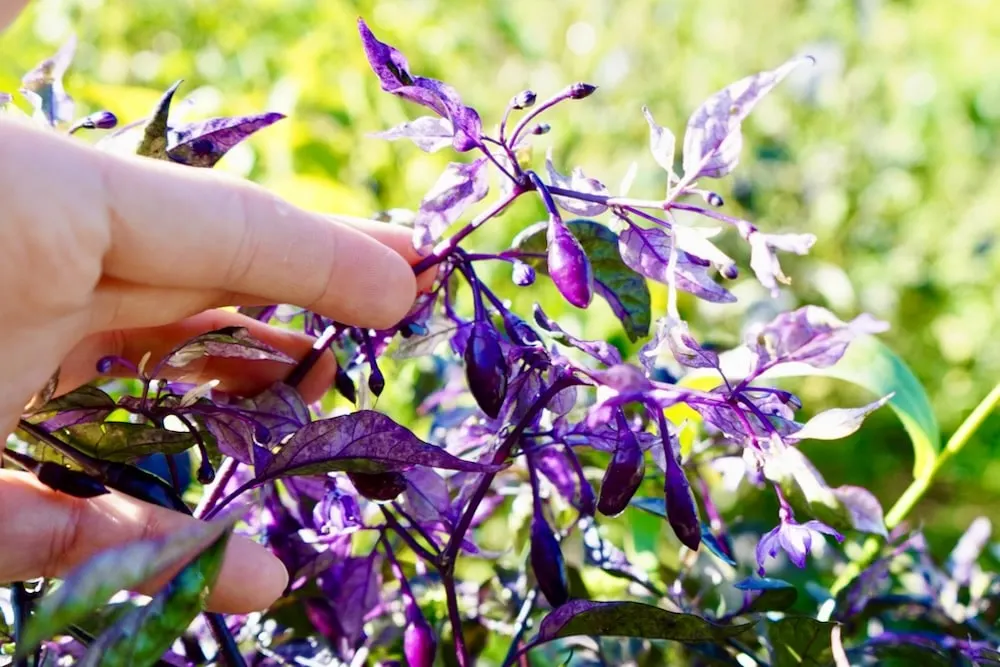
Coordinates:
455 617
520 624
222 477
919 486
319 347
418 549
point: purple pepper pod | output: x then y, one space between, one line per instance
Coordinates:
419 642
624 475
486 368
547 562
682 514
569 265
379 486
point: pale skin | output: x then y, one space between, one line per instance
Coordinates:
103 254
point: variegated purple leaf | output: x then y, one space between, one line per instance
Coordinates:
600 350
43 86
865 510
713 139
363 441
427 497
810 335
234 436
281 410
560 466
428 133
764 260
83 405
578 182
393 72
601 553
661 144
461 185
673 335
837 423
204 143
623 379
647 252
694 241
352 587
231 342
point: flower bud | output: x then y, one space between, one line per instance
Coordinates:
379 486
102 120
713 198
569 266
523 274
547 562
623 476
376 381
541 128
486 368
68 481
523 100
345 385
580 90
730 272
419 643
206 472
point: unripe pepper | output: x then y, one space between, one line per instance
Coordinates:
379 486
624 474
568 265
486 368
547 562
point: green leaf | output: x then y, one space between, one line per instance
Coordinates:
154 138
631 619
869 364
91 585
773 594
903 655
800 640
83 405
144 634
625 290
124 442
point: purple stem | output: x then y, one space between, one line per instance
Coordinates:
222 477
561 96
321 345
416 526
546 195
418 549
455 617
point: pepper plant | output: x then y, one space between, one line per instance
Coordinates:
501 531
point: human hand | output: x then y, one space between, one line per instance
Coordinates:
103 254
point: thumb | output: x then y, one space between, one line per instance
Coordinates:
46 534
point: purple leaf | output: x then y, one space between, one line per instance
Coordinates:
234 437
281 410
83 405
352 588
363 441
231 342
427 496
673 334
713 140
393 72
647 252
43 86
764 261
203 143
578 182
661 144
970 546
837 423
559 465
600 350
623 379
126 442
461 185
631 619
864 508
430 134
809 335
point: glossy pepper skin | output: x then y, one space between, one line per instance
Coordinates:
419 643
70 482
379 486
547 562
623 476
486 368
569 266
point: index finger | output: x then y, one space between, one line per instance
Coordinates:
178 226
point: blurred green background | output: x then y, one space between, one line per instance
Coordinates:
886 150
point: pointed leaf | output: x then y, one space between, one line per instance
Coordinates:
626 293
428 133
864 508
648 251
712 140
203 143
631 619
774 594
461 185
661 143
143 635
837 423
800 640
231 342
43 86
578 182
363 441
154 137
82 405
91 585
125 442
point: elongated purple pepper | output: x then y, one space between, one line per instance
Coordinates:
624 474
486 368
547 562
682 514
569 266
419 642
379 486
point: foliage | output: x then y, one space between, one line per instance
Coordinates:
391 537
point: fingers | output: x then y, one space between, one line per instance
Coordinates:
396 237
47 533
8 10
238 376
175 226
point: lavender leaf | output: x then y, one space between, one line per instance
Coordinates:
647 252
83 405
461 185
230 342
661 144
43 86
363 441
713 139
864 508
204 143
600 350
578 182
428 133
837 423
673 334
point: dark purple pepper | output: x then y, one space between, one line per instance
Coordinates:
681 511
71 482
376 381
730 272
206 472
143 485
569 266
624 475
486 368
419 642
547 562
379 486
345 385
